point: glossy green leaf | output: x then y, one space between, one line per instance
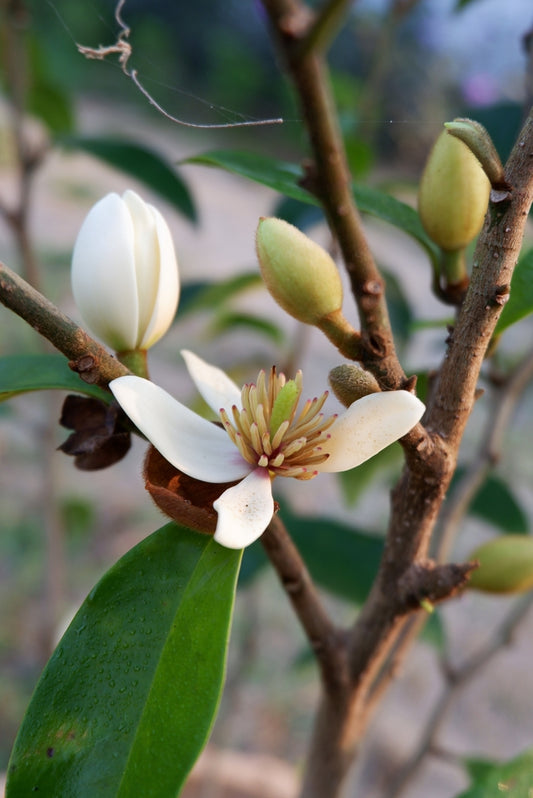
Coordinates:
520 302
128 698
23 373
495 503
513 779
143 164
284 178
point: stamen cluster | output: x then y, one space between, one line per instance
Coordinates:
269 434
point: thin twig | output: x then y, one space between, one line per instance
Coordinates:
456 678
485 459
123 49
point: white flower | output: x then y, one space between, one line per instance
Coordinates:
263 436
124 272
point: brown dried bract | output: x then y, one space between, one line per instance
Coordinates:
98 440
186 500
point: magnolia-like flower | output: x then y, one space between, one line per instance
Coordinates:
125 273
262 436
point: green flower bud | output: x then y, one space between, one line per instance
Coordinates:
505 565
453 195
350 382
300 275
478 141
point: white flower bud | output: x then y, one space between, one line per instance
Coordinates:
125 273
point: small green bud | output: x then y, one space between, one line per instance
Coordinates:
478 141
350 382
453 195
300 275
505 565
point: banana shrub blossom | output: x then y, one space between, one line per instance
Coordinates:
125 273
262 436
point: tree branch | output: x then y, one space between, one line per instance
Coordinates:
329 178
93 363
456 678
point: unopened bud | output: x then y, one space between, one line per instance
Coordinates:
478 141
505 565
350 382
301 276
453 195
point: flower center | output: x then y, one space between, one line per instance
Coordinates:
269 434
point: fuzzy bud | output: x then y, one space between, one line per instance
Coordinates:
350 382
453 195
300 275
505 565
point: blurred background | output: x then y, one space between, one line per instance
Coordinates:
399 70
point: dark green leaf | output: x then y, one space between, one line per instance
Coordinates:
513 779
227 321
128 698
206 296
284 178
23 373
141 163
46 99
355 481
495 503
342 559
399 309
520 302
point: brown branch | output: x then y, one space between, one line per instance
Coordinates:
93 363
418 496
329 178
326 640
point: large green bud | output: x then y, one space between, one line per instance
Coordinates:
301 276
453 195
505 565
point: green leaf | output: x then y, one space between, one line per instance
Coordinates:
355 481
46 99
227 321
143 164
520 302
492 780
207 295
128 698
23 373
342 559
284 178
495 503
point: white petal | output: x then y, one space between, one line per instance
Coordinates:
146 251
195 446
165 299
368 426
244 511
217 389
103 273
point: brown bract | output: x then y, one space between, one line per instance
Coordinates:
99 440
186 500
